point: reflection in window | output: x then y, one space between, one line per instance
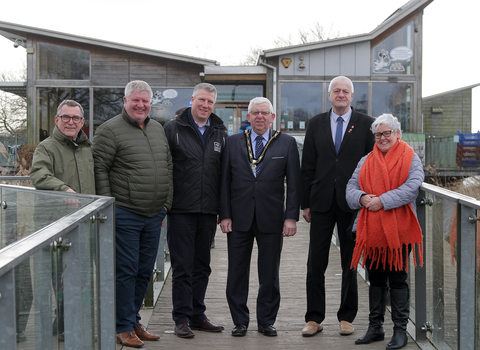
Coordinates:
48 101
238 93
299 102
394 99
166 101
107 103
61 62
394 55
360 98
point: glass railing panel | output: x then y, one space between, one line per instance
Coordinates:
440 263
27 211
56 294
36 302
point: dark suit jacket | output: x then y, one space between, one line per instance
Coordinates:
322 169
242 194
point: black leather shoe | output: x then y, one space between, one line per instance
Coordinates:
184 331
206 326
240 330
373 334
268 330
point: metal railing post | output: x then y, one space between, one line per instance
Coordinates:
466 277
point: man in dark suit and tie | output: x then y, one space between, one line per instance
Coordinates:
334 143
255 165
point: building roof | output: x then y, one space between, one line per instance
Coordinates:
401 13
18 32
446 93
17 88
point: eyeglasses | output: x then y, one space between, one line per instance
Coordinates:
265 113
66 119
386 134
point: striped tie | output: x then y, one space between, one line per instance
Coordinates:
258 151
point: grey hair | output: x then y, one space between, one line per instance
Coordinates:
137 85
340 77
204 86
389 120
70 103
258 101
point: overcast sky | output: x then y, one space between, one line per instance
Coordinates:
225 30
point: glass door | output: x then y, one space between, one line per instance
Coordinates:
233 115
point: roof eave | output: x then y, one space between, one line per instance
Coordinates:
97 42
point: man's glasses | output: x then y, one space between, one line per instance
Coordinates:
386 134
66 119
265 113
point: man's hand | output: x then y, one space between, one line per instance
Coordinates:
306 215
289 228
72 203
226 225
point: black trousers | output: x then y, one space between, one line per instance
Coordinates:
240 246
189 239
321 230
381 276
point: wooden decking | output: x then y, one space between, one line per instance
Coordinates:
290 318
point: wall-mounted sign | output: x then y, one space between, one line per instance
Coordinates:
286 62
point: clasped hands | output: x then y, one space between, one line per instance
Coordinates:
371 202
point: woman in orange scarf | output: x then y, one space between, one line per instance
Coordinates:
384 188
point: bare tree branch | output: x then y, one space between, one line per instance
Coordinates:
13 108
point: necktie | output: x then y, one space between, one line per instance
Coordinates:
338 134
258 150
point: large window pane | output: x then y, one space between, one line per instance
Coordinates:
299 102
107 103
360 98
238 93
48 101
61 62
394 55
166 101
393 99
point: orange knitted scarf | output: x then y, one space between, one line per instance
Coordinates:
382 234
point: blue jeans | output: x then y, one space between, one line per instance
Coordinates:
136 242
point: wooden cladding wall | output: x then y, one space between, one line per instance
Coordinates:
117 68
448 113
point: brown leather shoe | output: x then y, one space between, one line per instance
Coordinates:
346 328
129 339
142 333
311 328
207 326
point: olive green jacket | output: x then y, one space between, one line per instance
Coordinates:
133 165
59 163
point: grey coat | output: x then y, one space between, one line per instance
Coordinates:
403 195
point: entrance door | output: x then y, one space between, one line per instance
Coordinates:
232 115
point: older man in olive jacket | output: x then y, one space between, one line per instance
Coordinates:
62 162
134 165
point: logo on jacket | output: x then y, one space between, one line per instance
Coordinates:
217 147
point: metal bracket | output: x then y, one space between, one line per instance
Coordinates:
473 219
60 243
427 201
428 327
4 205
101 217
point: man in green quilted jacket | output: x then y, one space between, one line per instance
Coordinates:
134 165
